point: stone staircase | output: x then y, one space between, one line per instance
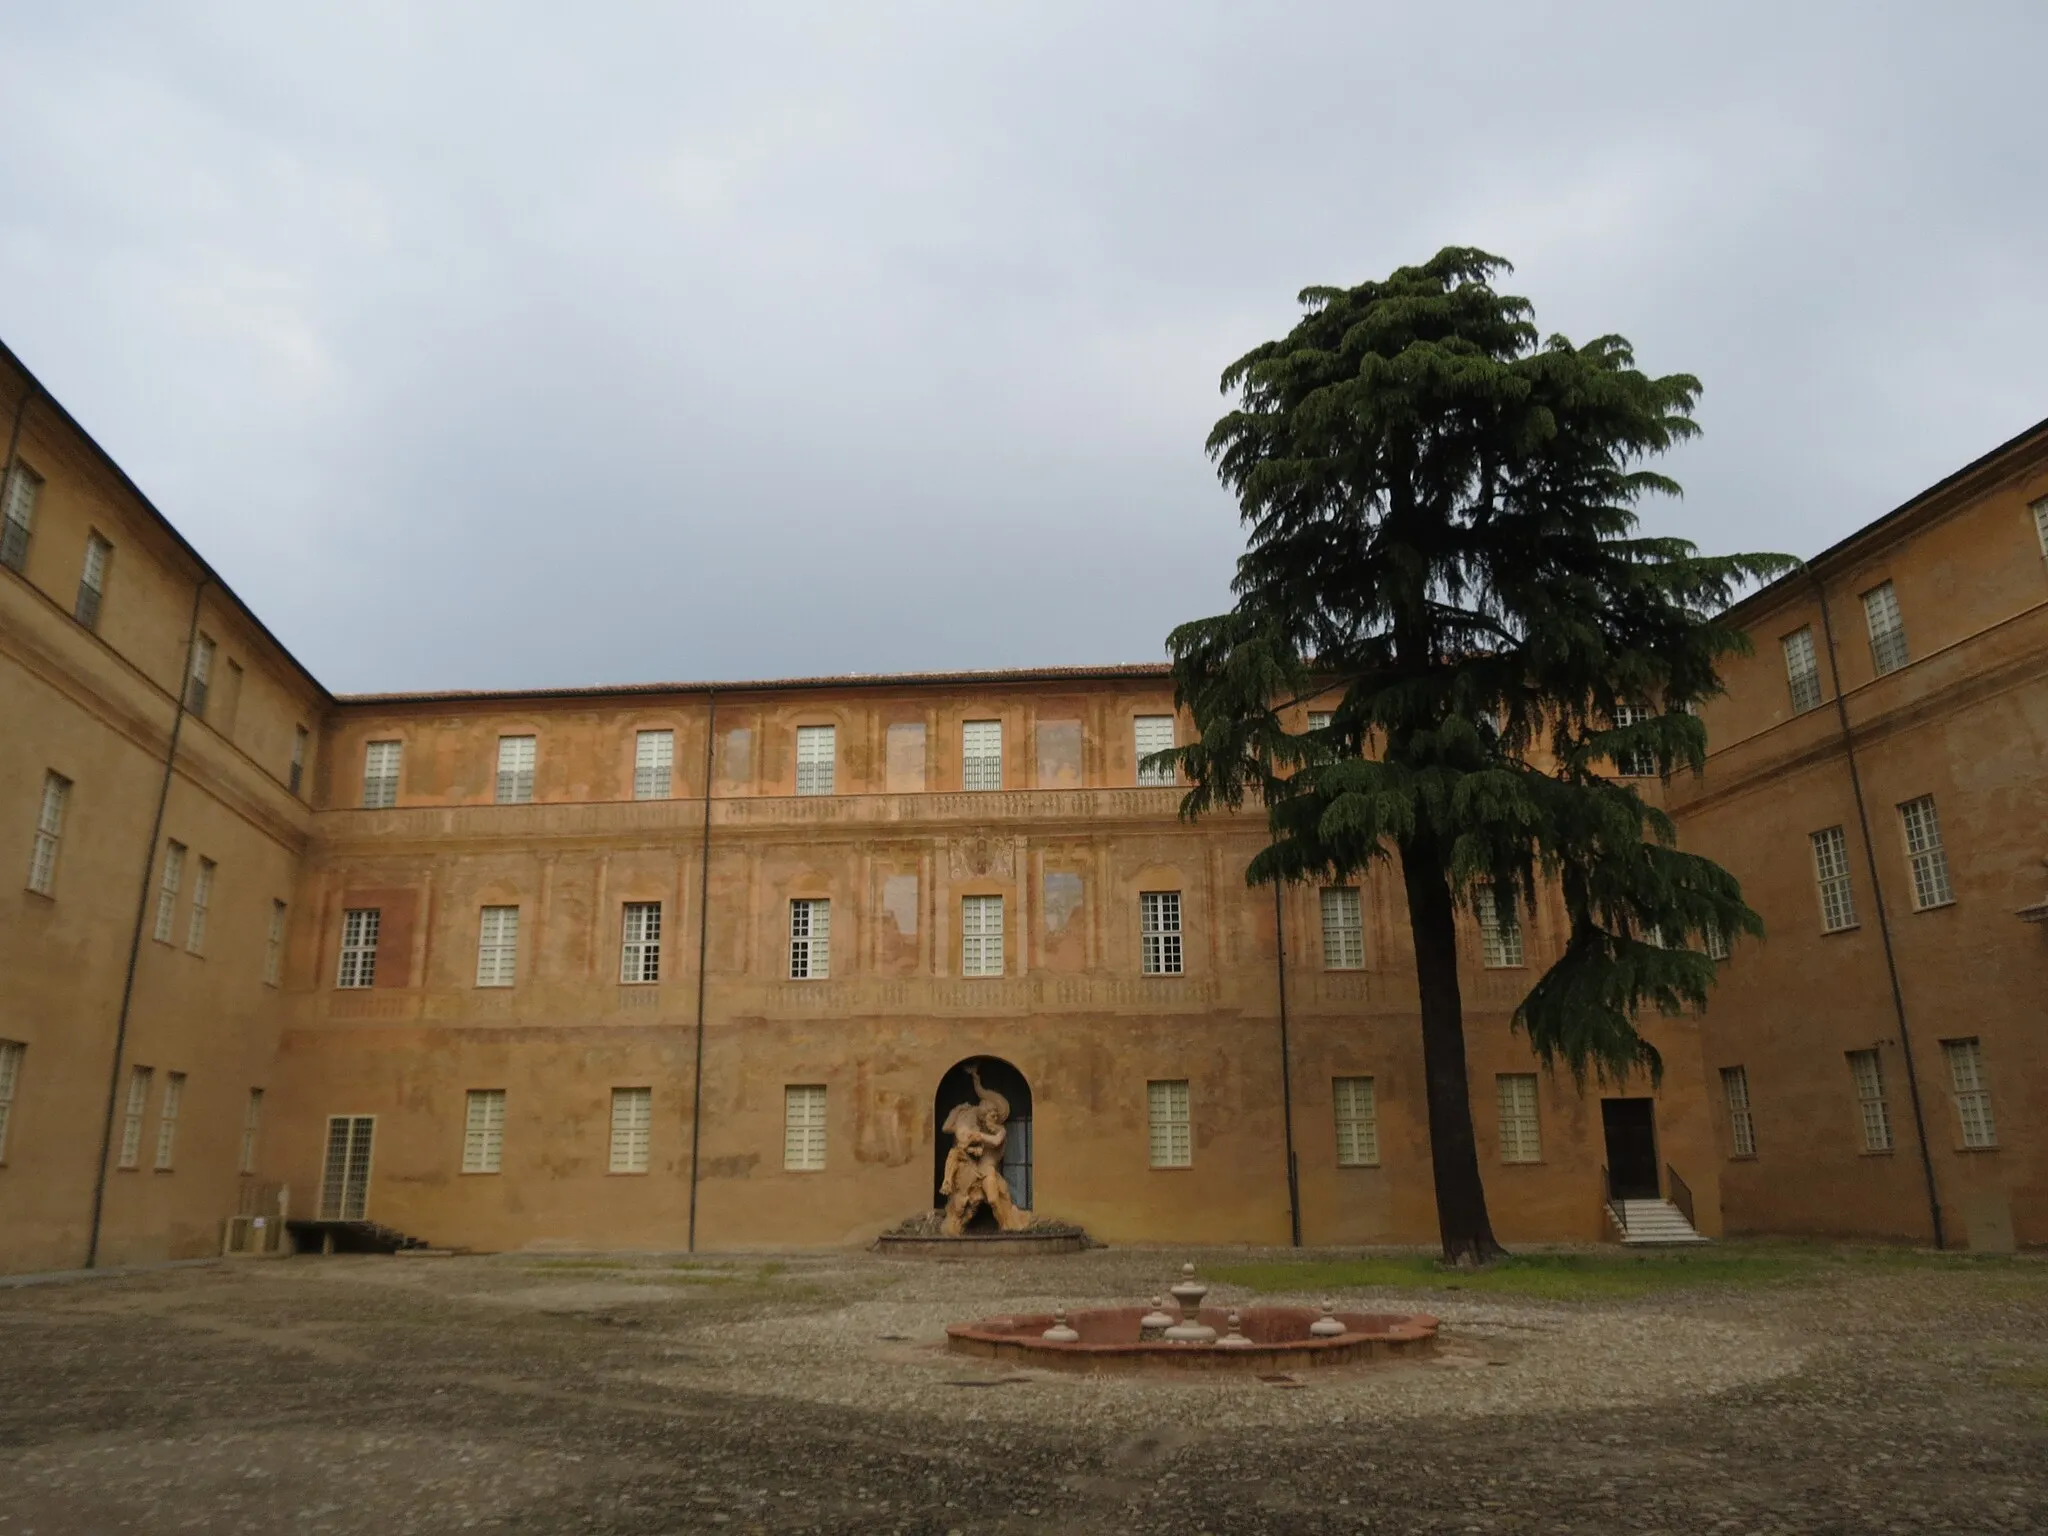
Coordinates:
1651 1224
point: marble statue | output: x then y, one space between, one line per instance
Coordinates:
974 1166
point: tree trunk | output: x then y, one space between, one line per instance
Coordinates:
1453 1152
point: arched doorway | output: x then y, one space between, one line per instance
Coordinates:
957 1088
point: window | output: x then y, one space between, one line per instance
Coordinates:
1358 1123
1521 1139
810 939
817 748
515 770
273 948
1831 872
92 581
640 954
1973 1097
1319 719
1802 670
11 1052
359 947
1868 1075
42 863
345 1181
1634 762
1500 935
1154 733
24 485
497 947
483 1131
1159 933
981 754
803 1127
380 774
131 1123
202 897
1717 942
252 1120
2041 523
297 777
1887 629
1172 1132
167 1120
981 936
1924 854
1343 929
202 676
654 765
1741 1126
632 1125
167 892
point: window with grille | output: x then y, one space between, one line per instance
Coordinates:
297 776
654 765
24 486
202 898
483 1131
810 939
380 774
1802 670
345 1178
1521 1138
1887 628
11 1054
1358 1122
1867 1072
273 947
167 892
515 769
1500 932
1634 762
803 1127
1831 873
252 1122
981 936
1343 929
1319 719
497 947
359 947
981 754
167 1120
1741 1125
139 1079
201 678
1972 1092
640 953
1924 854
1171 1129
2041 523
817 750
632 1128
1159 932
42 861
92 581
1153 733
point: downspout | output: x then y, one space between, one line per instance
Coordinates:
703 953
1286 1072
156 827
1884 926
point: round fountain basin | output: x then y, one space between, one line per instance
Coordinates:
1280 1340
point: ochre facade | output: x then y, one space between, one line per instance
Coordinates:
510 1058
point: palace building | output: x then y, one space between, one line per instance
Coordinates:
705 964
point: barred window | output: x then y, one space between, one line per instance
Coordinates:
515 769
380 774
803 1127
1924 853
273 949
1831 873
632 1128
817 750
1634 762
1343 929
42 862
201 678
11 1054
1867 1073
345 1180
1887 628
359 947
1802 669
1153 733
1500 933
139 1079
92 581
1171 1131
252 1120
297 776
202 898
24 486
483 1131
167 892
1159 932
167 1120
1741 1125
981 936
497 947
1521 1139
981 754
640 951
654 765
810 939
1358 1124
1972 1092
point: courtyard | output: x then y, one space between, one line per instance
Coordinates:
1749 1388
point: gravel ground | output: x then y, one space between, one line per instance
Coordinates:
525 1394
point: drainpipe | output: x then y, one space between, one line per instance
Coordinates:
1884 926
703 953
156 827
1286 1072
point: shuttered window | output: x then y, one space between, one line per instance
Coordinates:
359 947
11 1054
981 936
273 947
252 1122
1153 733
1802 670
1924 854
2041 523
1172 1140
632 1128
1521 1139
1500 934
483 1131
516 756
640 953
297 777
497 947
1343 929
167 1120
139 1079
810 939
42 861
380 774
1887 628
198 684
18 517
817 749
803 1127
167 892
981 754
1741 1125
1831 876
1972 1092
202 898
92 581
1358 1123
1159 933
654 765
1867 1073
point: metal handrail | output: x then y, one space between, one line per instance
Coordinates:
1615 1210
1681 1196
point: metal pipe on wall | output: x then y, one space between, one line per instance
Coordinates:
1286 1072
703 954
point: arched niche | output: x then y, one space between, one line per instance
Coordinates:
957 1088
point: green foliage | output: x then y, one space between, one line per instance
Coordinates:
1443 535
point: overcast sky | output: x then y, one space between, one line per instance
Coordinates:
496 344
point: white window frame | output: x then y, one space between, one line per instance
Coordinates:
381 761
1925 856
345 1179
2040 511
167 1121
981 936
1716 940
1160 951
817 759
1874 1116
200 681
981 754
1802 670
810 938
139 1082
202 898
497 946
273 946
632 1129
1500 941
167 892
640 943
42 861
483 1130
1343 913
1356 1112
92 581
1887 626
1832 881
1741 1118
358 965
1970 1089
1637 762
1521 1117
1169 1123
654 765
1149 734
1319 719
517 759
18 516
12 1054
252 1124
804 1127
